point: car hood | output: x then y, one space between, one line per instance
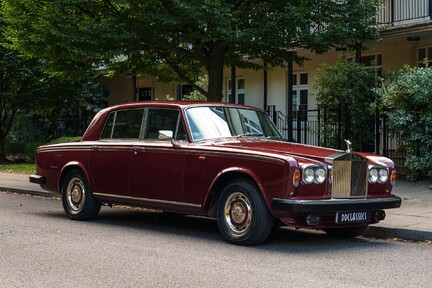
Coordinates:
300 152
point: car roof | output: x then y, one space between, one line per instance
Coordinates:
174 104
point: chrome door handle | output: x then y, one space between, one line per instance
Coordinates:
96 148
136 149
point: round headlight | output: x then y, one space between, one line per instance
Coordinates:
383 175
320 175
373 175
308 175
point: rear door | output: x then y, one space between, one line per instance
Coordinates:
111 155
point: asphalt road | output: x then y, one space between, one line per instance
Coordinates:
124 247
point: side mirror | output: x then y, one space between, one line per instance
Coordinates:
165 135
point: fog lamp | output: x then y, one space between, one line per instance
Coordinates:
312 219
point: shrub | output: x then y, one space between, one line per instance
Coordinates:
30 151
408 98
66 139
348 84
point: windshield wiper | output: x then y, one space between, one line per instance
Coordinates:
250 135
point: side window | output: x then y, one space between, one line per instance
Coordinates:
107 131
124 124
164 119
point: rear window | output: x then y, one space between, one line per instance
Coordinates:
123 124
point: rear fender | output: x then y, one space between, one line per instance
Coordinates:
72 165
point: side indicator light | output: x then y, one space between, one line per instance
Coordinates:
393 177
296 178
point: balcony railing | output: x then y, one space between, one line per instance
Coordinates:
403 12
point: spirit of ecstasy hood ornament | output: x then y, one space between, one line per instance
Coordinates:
349 146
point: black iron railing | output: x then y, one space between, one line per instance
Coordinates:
393 12
329 128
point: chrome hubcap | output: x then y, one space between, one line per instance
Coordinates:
238 213
75 195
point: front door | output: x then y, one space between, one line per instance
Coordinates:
157 166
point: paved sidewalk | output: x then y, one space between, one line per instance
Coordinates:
413 221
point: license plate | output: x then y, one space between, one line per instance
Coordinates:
353 217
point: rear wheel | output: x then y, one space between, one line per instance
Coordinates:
243 217
348 232
78 201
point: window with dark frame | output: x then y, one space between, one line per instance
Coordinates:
123 124
240 91
424 55
164 119
300 94
145 93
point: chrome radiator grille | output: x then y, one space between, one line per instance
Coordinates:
349 178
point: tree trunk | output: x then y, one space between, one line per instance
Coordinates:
215 66
2 150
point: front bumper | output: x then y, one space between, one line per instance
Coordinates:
334 205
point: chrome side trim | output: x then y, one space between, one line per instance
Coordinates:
139 199
65 148
161 149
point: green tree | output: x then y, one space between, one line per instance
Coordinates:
348 85
180 38
25 87
20 85
407 97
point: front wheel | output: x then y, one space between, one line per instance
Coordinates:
78 201
348 232
243 217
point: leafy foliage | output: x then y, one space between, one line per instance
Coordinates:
27 90
408 98
348 85
196 95
179 38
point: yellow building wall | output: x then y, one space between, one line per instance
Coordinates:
396 52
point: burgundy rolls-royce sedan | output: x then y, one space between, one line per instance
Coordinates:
219 160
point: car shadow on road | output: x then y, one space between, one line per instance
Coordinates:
283 239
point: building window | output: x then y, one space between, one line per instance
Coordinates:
186 89
145 93
240 91
300 94
424 54
373 61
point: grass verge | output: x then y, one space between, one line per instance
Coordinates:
23 168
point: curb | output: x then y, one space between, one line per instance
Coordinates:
377 232
397 233
28 191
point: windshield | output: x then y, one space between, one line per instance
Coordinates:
218 121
